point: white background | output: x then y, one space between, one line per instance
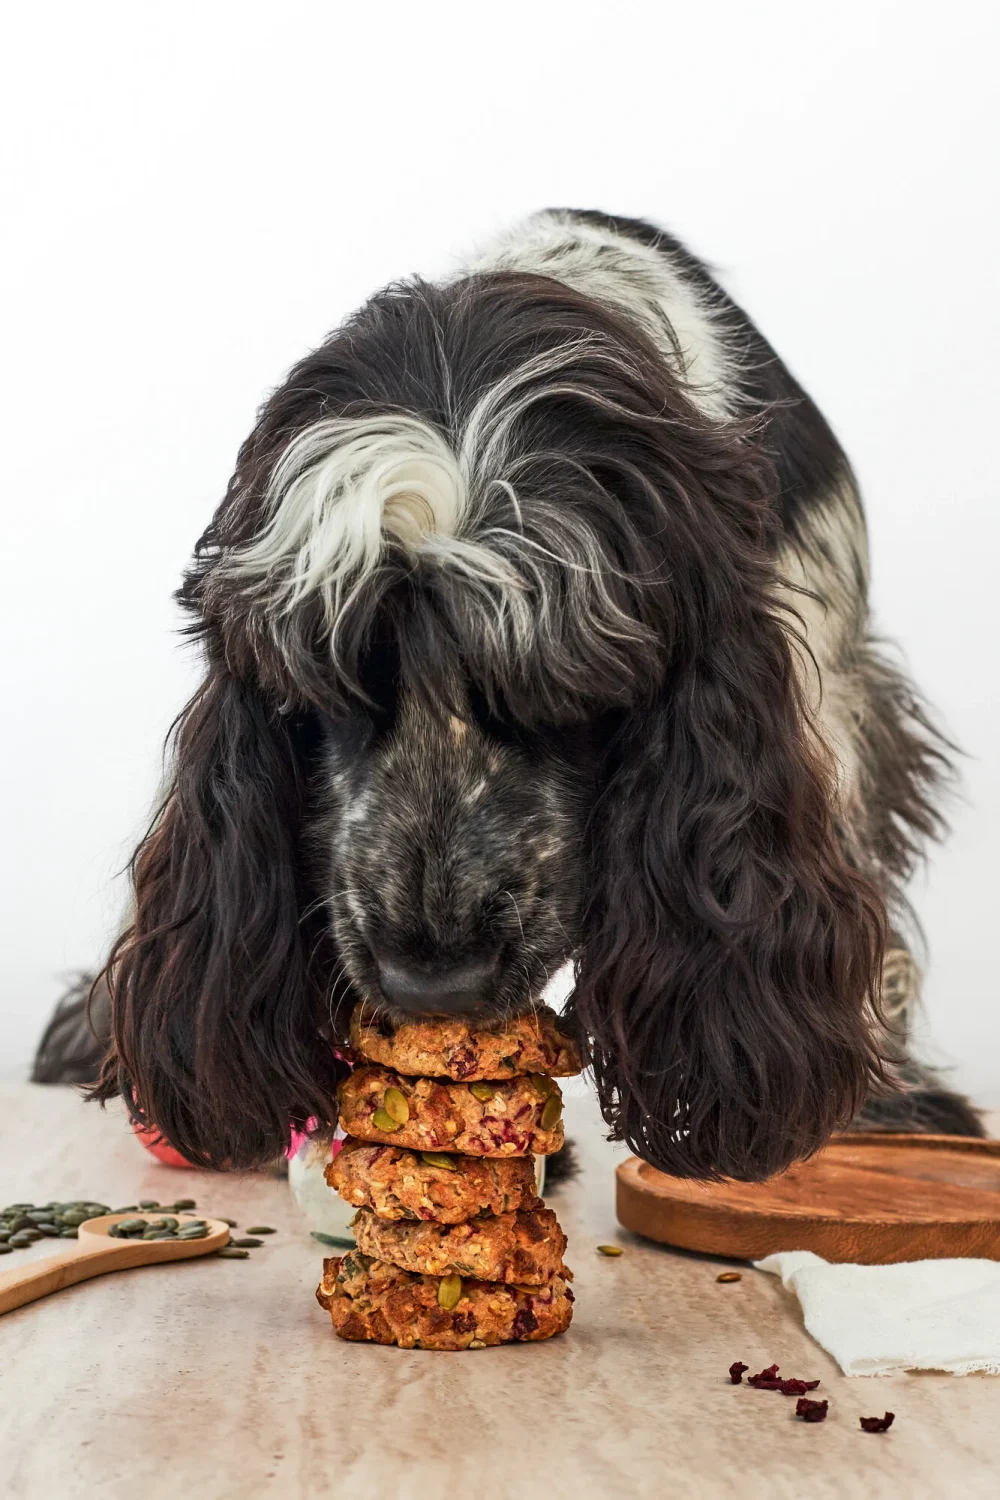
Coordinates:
196 193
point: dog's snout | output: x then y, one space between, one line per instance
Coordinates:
438 988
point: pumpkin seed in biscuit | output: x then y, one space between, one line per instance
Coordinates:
551 1113
439 1159
449 1292
395 1104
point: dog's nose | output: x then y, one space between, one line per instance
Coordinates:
442 989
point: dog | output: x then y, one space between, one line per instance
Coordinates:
536 630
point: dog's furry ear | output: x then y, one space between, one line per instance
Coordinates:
215 996
730 950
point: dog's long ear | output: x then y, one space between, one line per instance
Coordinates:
217 984
730 948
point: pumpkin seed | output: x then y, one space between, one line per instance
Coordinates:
261 1229
193 1232
332 1239
439 1159
247 1244
183 1203
231 1252
482 1091
395 1105
449 1292
610 1250
542 1084
551 1112
477 1344
51 1230
7 1249
384 1122
149 1203
729 1276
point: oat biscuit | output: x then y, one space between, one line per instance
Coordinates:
513 1117
466 1051
400 1184
523 1247
369 1300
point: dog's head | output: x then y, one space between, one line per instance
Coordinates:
496 677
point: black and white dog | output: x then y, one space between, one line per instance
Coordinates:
536 629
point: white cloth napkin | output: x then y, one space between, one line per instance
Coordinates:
917 1315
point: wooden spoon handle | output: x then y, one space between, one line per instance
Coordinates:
26 1283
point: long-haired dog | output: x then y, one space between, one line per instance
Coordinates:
536 629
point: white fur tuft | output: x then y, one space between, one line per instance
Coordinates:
341 490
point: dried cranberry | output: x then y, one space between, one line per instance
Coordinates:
736 1372
524 1323
811 1411
770 1380
877 1424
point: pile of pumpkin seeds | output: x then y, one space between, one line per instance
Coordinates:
21 1224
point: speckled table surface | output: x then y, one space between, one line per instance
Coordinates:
217 1379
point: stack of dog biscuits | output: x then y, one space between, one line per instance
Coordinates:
455 1250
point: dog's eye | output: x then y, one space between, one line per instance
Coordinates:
495 722
349 732
379 677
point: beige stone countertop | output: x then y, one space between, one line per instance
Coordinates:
221 1378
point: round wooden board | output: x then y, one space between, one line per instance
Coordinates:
867 1198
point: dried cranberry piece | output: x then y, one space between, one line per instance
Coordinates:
736 1371
811 1411
877 1424
770 1380
525 1322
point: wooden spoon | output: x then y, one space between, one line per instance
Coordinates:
95 1251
